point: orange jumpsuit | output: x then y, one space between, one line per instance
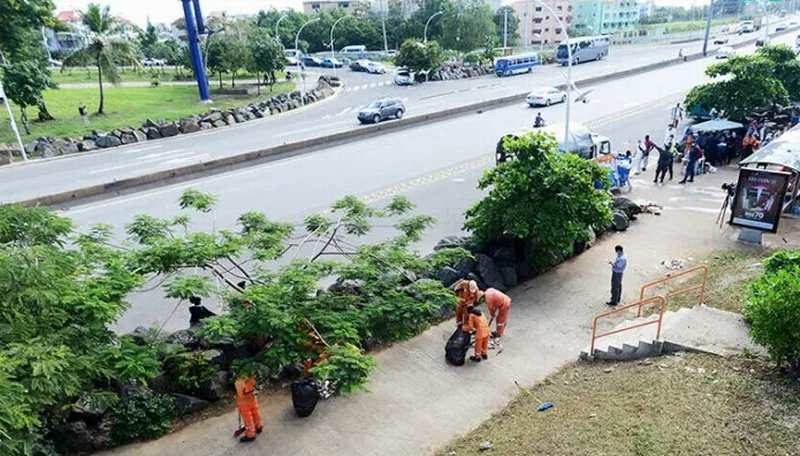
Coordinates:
478 324
499 305
467 292
248 405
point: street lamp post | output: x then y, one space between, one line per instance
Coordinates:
13 122
427 23
333 50
569 67
299 71
277 25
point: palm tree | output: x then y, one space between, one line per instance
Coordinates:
104 49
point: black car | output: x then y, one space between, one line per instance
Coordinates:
359 65
382 109
310 61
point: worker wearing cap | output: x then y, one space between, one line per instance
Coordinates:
499 305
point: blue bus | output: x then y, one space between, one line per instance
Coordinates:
513 64
584 49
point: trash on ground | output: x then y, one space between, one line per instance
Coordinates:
674 264
545 406
485 445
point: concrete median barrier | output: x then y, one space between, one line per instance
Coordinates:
307 145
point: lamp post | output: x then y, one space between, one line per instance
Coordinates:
541 42
333 51
277 25
569 66
427 23
299 71
13 122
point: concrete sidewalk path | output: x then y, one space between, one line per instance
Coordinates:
416 403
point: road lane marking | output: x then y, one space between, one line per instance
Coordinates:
313 127
139 162
161 154
140 149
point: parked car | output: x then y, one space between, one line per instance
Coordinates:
391 52
354 50
545 96
309 61
153 62
375 68
292 56
330 62
721 39
382 109
359 65
724 52
780 28
404 77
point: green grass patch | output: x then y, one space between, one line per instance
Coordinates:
693 404
88 75
124 106
689 26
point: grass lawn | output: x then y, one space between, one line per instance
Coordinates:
71 75
689 26
693 404
124 106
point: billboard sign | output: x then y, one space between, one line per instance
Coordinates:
759 199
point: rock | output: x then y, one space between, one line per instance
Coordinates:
162 383
153 133
169 130
128 138
65 147
206 125
348 286
291 372
142 335
74 437
481 284
214 356
620 221
489 272
608 370
465 266
238 117
189 126
229 119
592 237
219 123
87 145
485 446
509 274
448 276
87 410
139 135
186 405
504 255
185 337
212 117
149 123
449 242
214 388
107 141
445 312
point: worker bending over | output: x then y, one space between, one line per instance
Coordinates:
468 293
499 304
477 324
248 407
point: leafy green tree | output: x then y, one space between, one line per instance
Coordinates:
104 50
786 67
500 23
24 84
467 25
148 38
266 55
540 196
228 53
418 56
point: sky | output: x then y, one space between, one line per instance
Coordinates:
139 11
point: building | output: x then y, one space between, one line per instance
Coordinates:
539 25
315 6
605 17
646 8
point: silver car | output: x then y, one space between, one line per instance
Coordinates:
382 109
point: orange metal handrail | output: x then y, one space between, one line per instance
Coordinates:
670 277
662 304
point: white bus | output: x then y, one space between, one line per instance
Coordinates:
584 49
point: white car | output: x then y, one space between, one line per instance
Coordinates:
153 62
724 52
722 39
375 68
545 96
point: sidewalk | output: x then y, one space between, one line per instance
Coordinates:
416 403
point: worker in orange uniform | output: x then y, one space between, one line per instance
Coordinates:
248 407
477 324
468 293
499 304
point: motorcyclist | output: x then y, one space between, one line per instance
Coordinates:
538 122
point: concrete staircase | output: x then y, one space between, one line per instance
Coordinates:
699 328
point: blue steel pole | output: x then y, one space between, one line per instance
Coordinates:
198 14
194 50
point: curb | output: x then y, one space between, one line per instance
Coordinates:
336 138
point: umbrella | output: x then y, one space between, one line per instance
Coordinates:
715 125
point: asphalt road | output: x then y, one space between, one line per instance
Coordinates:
43 177
436 165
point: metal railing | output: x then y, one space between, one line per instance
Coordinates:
673 276
659 300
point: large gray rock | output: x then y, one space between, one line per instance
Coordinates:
87 145
229 119
169 130
449 276
464 242
187 405
465 266
504 256
509 274
162 383
153 133
107 141
185 337
127 138
189 126
206 125
214 388
212 117
474 276
149 123
139 135
65 147
350 286
219 123
215 357
489 272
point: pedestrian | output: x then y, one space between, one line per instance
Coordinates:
479 326
722 151
618 265
664 162
624 164
468 293
694 154
643 149
538 122
676 114
499 305
198 311
247 404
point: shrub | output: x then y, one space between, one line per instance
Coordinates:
142 415
773 308
784 259
345 366
189 370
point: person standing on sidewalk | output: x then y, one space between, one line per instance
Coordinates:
695 153
247 404
499 304
676 115
618 266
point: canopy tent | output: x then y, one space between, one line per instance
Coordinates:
782 151
715 125
579 138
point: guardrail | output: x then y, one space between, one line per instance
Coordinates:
672 277
658 300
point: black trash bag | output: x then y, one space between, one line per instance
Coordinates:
455 351
305 395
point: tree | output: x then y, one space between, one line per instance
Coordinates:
500 23
148 38
24 83
266 55
786 67
541 197
104 49
418 56
467 25
228 53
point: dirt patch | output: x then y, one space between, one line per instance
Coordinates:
688 404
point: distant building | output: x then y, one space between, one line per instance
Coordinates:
315 6
646 8
728 7
538 25
605 17
69 17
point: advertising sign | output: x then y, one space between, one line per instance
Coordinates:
759 199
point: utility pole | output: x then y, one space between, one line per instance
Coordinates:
505 29
14 128
383 25
708 26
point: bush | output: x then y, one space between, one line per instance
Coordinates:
189 370
345 366
784 259
142 415
773 309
